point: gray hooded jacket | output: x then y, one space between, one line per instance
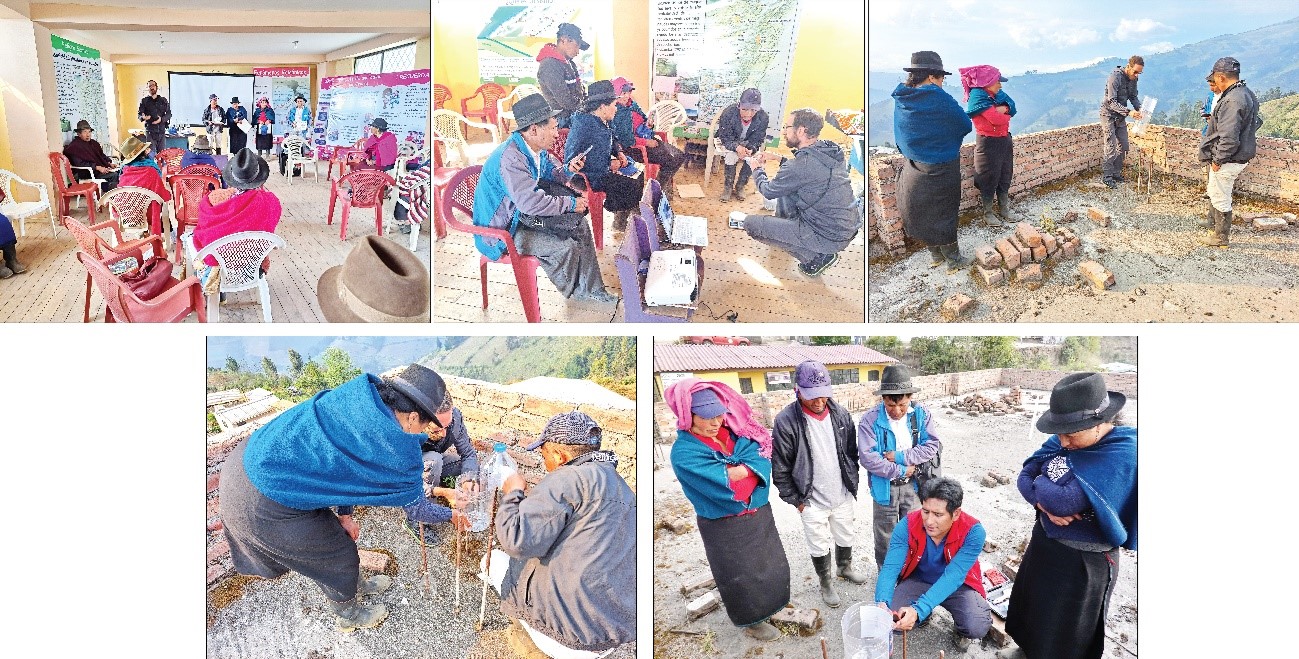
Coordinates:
572 543
814 188
1233 127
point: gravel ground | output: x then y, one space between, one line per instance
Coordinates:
289 618
1161 272
973 446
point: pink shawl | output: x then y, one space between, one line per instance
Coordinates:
253 210
739 416
981 75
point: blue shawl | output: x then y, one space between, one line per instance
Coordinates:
702 473
980 101
491 191
928 124
1107 471
343 447
145 160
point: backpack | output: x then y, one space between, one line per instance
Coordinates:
930 469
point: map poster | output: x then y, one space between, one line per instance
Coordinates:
516 32
716 49
80 87
350 103
281 85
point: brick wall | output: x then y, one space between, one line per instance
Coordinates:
1124 383
1273 173
1040 158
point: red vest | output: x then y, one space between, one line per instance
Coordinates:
955 538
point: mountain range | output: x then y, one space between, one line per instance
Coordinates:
1046 101
372 354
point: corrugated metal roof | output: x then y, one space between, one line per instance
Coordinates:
677 358
227 396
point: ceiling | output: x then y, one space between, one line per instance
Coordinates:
207 43
254 5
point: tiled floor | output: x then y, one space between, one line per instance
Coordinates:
53 288
760 283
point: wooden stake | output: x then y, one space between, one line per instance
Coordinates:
423 550
459 532
491 536
825 652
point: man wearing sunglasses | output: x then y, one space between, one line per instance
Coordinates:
446 431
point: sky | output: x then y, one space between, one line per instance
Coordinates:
1048 36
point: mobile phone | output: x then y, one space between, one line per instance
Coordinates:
583 153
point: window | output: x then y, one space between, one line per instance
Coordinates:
873 376
399 58
780 380
746 385
844 376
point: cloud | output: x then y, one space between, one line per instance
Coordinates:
1051 33
1056 68
1138 28
1158 47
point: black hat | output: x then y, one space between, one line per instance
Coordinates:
380 123
926 61
234 99
1078 402
572 32
423 386
532 109
896 381
599 93
1227 65
84 125
299 97
246 170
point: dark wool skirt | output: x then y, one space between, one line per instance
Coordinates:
994 164
748 564
238 140
1061 595
265 142
268 539
929 196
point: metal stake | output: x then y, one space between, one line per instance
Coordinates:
423 550
491 536
459 532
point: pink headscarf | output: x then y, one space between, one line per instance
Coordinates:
981 75
739 416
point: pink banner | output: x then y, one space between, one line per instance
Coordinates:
415 77
283 72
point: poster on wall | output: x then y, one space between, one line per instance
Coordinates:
80 85
708 51
281 85
508 45
349 103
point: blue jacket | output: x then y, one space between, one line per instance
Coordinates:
1107 471
980 100
954 574
192 158
506 189
234 114
702 473
875 437
589 130
729 125
928 124
6 231
624 128
300 115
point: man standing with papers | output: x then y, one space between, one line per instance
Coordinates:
816 216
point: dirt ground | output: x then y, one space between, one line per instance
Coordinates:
1161 272
972 446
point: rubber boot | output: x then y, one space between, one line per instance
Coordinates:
354 615
668 187
990 218
822 565
11 259
5 272
741 182
374 585
936 253
1003 206
843 560
1221 229
728 181
956 261
763 631
1207 222
620 220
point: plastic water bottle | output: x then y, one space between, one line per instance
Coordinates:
498 466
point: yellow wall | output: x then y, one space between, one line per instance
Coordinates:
6 160
829 69
759 377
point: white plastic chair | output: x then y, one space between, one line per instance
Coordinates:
666 115
93 178
240 256
299 153
405 151
506 116
414 226
447 124
714 147
21 210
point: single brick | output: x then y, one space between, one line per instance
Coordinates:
217 551
216 573
809 619
1049 242
215 525
1096 274
703 605
990 276
1025 254
956 306
1029 273
1269 223
213 481
373 561
1028 235
1099 216
986 255
699 582
1039 253
1009 254
997 633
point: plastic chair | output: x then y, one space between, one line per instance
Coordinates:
187 192
666 115
441 94
406 150
96 247
129 206
202 170
173 305
170 161
442 177
411 190
366 190
594 198
21 210
459 195
491 93
506 116
299 153
67 187
347 159
240 256
447 124
91 175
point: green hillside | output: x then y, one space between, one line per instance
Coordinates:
609 361
1281 117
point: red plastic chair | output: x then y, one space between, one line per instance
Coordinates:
440 180
170 161
594 198
187 191
461 197
174 304
366 188
91 243
441 94
491 92
202 169
651 169
61 170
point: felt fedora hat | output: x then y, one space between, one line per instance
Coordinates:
1080 401
895 381
201 143
599 93
84 125
379 282
132 148
423 386
246 170
531 110
926 61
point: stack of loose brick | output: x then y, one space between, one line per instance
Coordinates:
1019 256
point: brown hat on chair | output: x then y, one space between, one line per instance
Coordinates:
379 282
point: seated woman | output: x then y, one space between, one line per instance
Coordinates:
592 134
9 244
142 171
631 129
199 153
381 146
243 205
